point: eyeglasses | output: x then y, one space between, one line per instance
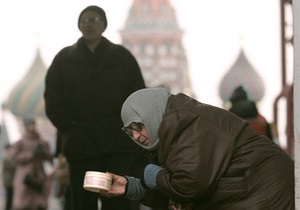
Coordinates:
133 126
86 20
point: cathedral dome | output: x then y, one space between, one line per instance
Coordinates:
153 35
242 74
26 98
151 15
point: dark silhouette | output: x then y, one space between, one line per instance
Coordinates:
86 85
8 173
247 109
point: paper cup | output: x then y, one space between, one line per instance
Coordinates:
95 181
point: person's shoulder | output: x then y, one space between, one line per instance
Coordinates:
184 100
181 97
120 48
66 53
67 49
114 46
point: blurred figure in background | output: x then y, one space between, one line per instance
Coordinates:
243 107
30 183
62 174
8 172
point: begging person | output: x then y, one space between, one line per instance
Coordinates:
202 157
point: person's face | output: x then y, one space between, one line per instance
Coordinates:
91 25
30 127
138 132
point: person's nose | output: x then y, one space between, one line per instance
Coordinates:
135 134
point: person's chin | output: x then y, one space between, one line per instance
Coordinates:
90 36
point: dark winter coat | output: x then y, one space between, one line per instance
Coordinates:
84 94
214 159
247 110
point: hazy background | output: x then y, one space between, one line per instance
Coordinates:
214 33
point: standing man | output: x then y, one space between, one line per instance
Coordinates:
86 86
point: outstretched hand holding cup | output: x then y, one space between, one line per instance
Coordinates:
95 181
117 188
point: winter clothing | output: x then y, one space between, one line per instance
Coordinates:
151 122
150 174
96 9
23 155
238 94
84 94
246 109
261 125
210 158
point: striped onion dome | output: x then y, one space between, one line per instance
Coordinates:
242 74
26 98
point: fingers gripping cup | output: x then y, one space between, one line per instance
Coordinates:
95 181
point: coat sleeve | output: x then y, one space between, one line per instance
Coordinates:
196 154
57 108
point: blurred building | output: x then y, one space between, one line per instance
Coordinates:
27 100
152 34
242 73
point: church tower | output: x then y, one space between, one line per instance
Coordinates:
152 34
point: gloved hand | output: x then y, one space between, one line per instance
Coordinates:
149 178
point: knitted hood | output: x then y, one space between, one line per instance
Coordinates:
146 106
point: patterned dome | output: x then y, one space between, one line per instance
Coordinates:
153 35
242 74
27 97
151 15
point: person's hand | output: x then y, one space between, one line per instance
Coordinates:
117 188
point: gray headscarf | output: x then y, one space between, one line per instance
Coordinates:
146 106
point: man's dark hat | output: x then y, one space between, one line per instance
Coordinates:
96 9
238 94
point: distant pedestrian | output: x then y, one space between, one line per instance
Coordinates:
245 108
30 183
8 173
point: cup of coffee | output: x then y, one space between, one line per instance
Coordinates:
95 181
